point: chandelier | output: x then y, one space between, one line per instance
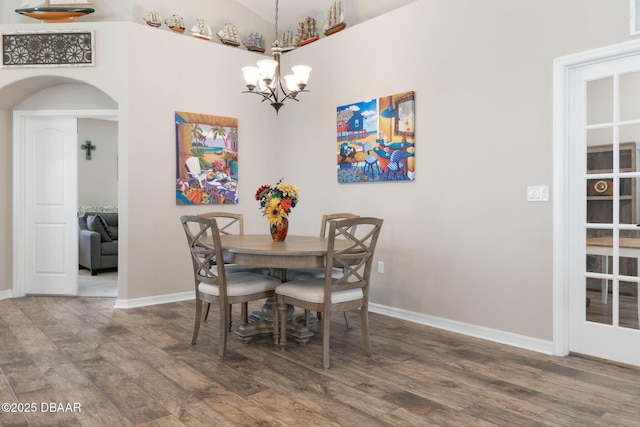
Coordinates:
265 79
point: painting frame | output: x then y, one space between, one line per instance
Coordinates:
206 159
376 139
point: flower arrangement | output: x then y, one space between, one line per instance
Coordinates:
277 201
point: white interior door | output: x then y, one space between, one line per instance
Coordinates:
605 221
51 229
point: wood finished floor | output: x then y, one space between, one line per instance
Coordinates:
137 367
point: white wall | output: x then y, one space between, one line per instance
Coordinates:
461 242
197 77
98 177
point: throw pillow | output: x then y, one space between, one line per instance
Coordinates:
94 224
106 227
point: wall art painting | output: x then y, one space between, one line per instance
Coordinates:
207 153
376 139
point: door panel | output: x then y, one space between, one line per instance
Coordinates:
51 203
605 140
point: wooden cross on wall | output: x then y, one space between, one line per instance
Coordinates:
88 147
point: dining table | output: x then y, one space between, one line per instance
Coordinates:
261 251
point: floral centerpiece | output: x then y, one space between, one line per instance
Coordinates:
276 203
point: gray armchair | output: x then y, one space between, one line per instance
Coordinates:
98 240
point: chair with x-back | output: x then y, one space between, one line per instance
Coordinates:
309 273
351 247
212 283
229 224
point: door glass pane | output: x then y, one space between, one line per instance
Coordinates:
599 260
628 135
630 96
628 305
599 150
598 310
600 101
599 207
629 208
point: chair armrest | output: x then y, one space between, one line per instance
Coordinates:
89 248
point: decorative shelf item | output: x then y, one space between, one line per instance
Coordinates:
307 31
55 14
254 42
201 30
229 35
175 23
288 41
335 20
153 19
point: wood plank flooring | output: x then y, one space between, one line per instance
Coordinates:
136 367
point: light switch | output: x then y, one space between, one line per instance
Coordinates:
538 193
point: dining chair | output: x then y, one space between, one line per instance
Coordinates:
229 224
309 273
212 282
329 294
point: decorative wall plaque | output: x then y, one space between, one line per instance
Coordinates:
48 49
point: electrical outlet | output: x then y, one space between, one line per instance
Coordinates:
381 267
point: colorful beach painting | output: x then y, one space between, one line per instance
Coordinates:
207 159
376 139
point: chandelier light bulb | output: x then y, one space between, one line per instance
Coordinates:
251 76
291 82
301 72
267 69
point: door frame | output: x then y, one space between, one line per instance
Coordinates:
19 175
563 263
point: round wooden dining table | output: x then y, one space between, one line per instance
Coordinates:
259 250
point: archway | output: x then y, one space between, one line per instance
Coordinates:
42 95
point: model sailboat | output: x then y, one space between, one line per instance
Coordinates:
307 31
288 41
335 20
153 19
201 30
175 23
254 42
54 3
229 35
55 10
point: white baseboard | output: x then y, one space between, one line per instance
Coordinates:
159 299
495 335
6 294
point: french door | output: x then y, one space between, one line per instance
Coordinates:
604 158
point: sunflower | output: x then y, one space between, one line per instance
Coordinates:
288 190
274 212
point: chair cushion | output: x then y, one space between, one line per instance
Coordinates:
96 223
242 283
312 290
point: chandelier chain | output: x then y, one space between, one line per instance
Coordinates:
276 19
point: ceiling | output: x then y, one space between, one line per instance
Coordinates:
290 12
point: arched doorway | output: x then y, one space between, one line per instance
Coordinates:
44 96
